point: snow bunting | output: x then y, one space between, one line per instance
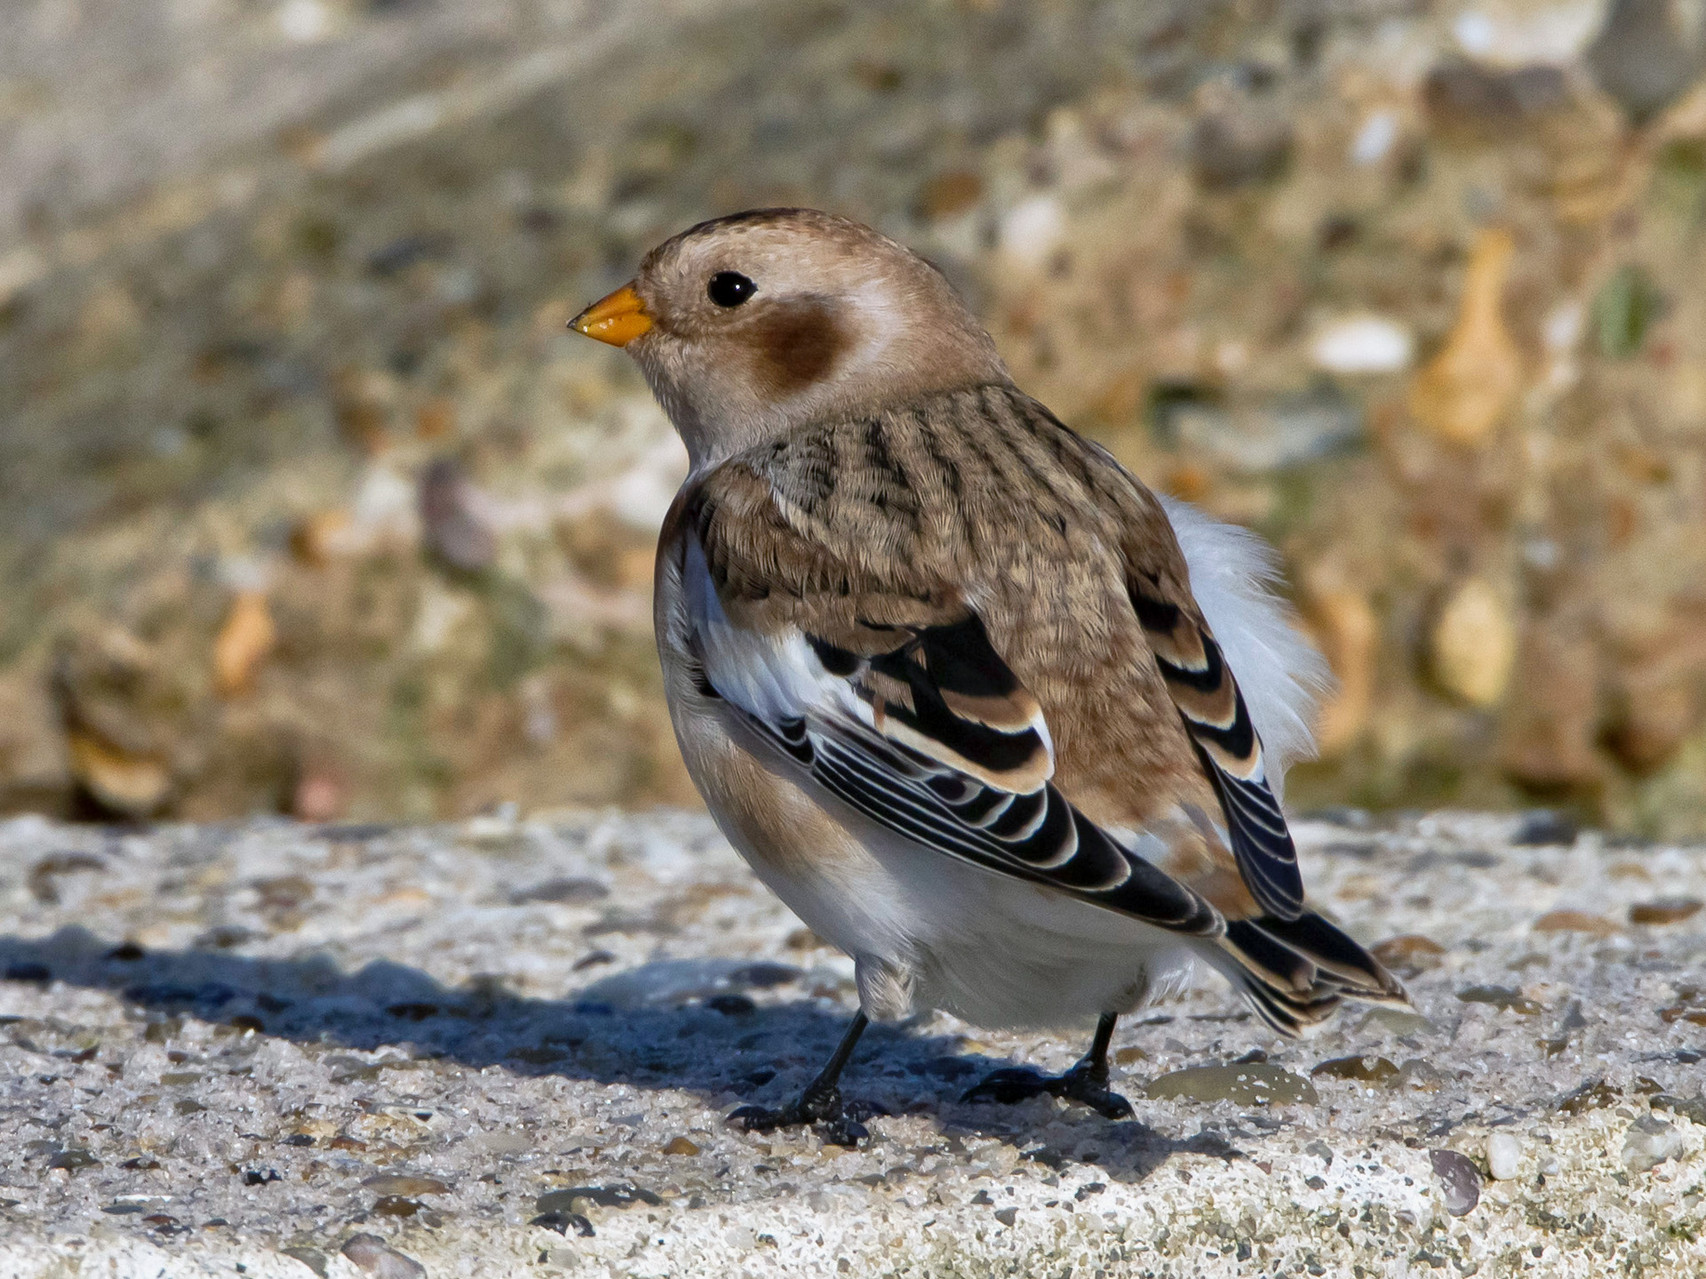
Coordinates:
984 711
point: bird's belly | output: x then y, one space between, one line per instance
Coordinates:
999 952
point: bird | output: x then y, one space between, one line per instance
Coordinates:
984 711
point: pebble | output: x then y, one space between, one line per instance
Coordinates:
1362 344
614 1195
244 640
1459 1181
1545 828
1348 633
1692 1109
377 1258
454 521
1235 149
1665 910
1473 644
1504 1156
1289 430
1374 138
1512 33
392 1183
1504 998
1646 55
1650 1142
1467 389
1363 1069
1254 1084
1575 921
949 194
1419 1076
304 21
1032 230
134 783
1411 949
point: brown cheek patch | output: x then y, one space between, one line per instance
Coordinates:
797 344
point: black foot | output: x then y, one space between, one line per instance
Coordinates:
837 1124
1016 1083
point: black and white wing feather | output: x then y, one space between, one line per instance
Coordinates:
934 738
1215 716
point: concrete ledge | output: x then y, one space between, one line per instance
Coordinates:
382 1052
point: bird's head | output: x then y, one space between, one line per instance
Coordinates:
750 325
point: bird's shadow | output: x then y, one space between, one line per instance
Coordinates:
720 1043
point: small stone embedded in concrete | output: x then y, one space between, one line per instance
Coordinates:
615 1195
1459 1180
1373 1069
1650 1142
391 1183
1248 1085
379 1259
1418 1075
1665 910
313 1258
73 1159
1692 1109
1502 997
1544 828
1504 1156
1575 921
564 890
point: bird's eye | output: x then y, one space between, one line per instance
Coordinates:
730 288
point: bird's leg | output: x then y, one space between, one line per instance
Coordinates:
819 1103
1086 1082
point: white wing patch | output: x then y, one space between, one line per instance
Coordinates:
773 679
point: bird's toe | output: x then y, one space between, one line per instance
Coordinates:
1008 1087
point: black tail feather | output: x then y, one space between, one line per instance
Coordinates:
1296 972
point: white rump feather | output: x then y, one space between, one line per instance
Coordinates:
1233 574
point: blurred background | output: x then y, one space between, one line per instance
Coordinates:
309 504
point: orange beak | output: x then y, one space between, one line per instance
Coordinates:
617 319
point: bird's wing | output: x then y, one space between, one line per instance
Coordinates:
1218 722
883 685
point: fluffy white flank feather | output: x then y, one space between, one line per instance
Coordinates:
1233 574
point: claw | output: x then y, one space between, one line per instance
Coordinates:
838 1124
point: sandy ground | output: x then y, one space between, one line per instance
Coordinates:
508 1047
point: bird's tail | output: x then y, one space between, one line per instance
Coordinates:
1296 972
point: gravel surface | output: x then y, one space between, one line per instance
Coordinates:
507 1046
